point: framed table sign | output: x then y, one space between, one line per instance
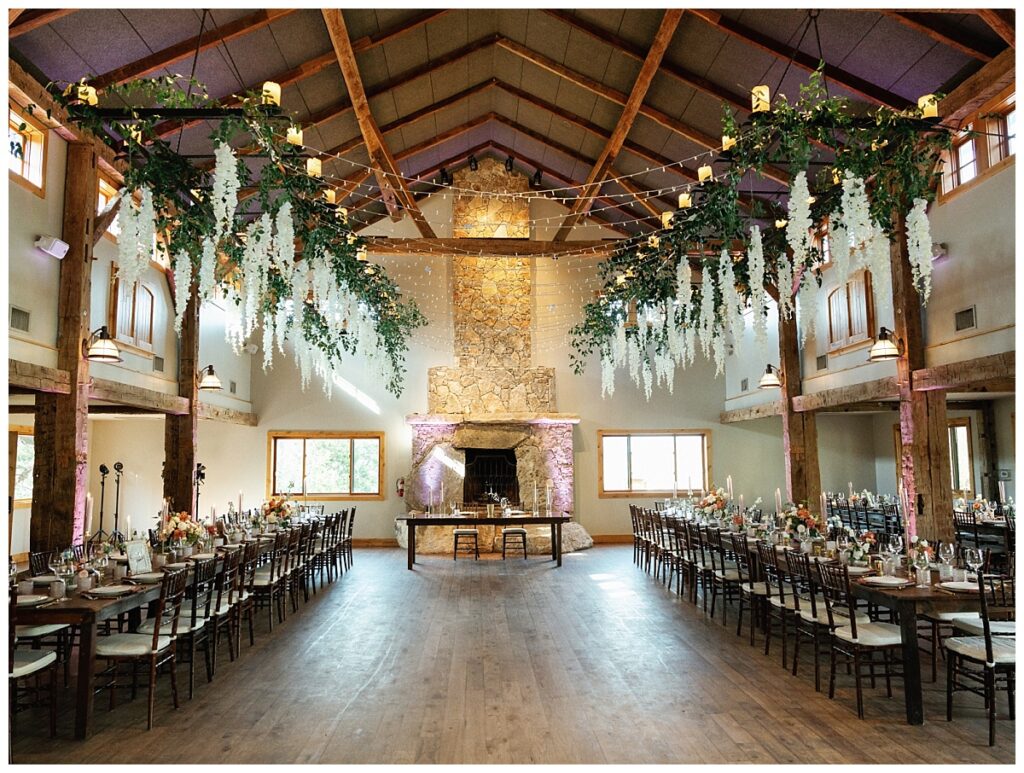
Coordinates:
139 560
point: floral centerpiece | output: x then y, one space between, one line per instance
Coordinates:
181 527
801 523
713 503
860 546
277 511
921 546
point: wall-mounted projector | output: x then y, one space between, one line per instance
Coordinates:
51 245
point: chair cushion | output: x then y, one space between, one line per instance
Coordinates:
467 531
776 601
871 634
947 617
757 588
1004 648
729 575
38 631
822 618
184 624
976 628
128 644
513 530
223 609
27 662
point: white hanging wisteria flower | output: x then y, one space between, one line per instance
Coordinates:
648 379
879 262
225 190
755 267
137 238
798 224
784 281
607 374
919 248
856 218
706 324
731 312
182 287
634 360
268 342
839 247
619 344
284 241
207 270
807 308
718 349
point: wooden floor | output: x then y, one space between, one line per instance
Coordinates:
513 662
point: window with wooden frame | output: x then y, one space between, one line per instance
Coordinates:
325 465
987 141
851 312
961 456
652 462
107 192
21 457
27 159
131 312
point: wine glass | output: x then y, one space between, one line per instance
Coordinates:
13 571
973 559
843 545
947 552
921 565
896 544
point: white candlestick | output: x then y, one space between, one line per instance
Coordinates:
728 485
741 501
239 501
442 492
778 500
88 512
128 527
1002 491
850 484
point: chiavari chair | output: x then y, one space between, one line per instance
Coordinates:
293 568
751 590
657 542
781 607
269 583
856 641
39 563
725 579
307 577
698 561
24 665
139 649
634 520
224 613
987 663
248 564
346 543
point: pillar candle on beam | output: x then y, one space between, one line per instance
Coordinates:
728 142
271 93
314 167
760 99
685 201
704 173
294 135
929 106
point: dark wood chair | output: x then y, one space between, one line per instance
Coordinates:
346 540
152 650
39 563
513 537
28 665
725 579
224 611
753 592
987 663
248 563
781 606
269 584
701 568
465 541
856 641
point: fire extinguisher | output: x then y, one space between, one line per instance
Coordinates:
400 487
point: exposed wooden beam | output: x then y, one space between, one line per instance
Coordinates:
960 376
181 431
27 92
879 389
953 36
139 397
760 411
209 39
799 430
639 194
493 247
809 63
210 412
1002 21
105 218
390 180
24 21
367 42
37 378
979 88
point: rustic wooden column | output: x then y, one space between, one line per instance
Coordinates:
990 451
799 429
924 428
61 473
181 432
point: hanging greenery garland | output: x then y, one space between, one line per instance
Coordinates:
884 162
328 301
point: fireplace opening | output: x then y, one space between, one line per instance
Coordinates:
490 470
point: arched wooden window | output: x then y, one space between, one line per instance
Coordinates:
850 312
131 312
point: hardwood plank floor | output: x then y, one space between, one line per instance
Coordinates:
513 662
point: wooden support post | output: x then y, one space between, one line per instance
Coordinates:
924 430
61 473
990 451
799 430
181 431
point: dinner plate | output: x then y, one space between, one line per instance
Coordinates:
45 579
858 571
888 581
112 590
959 586
148 578
31 599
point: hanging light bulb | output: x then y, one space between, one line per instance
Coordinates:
685 200
294 135
928 105
760 99
314 167
271 93
704 173
728 142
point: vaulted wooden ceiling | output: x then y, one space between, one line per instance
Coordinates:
582 95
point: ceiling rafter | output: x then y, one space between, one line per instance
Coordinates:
953 36
209 39
781 51
389 179
1002 23
621 98
367 42
22 21
644 79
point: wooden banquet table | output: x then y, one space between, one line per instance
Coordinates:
555 521
909 603
87 614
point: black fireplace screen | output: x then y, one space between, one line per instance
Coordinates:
490 470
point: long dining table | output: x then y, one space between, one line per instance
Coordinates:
469 519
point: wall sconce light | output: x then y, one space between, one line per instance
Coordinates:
885 348
208 380
770 379
101 347
473 165
509 164
535 181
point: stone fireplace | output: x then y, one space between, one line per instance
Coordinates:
494 405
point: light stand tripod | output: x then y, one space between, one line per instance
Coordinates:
200 480
100 535
116 535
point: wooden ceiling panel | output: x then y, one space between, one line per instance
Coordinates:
373 65
50 54
301 37
406 52
159 28
321 90
509 67
921 78
886 52
672 98
584 54
448 33
544 84
696 46
534 118
512 23
620 74
383 108
546 36
422 130
506 104
253 69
